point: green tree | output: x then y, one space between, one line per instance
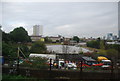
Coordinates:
38 47
76 38
37 62
9 51
20 35
93 44
47 40
6 37
113 46
25 50
112 54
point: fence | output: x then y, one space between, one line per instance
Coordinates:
66 74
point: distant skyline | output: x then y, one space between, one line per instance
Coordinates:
84 19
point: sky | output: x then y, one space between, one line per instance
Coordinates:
83 19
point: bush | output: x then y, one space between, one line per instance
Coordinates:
38 47
94 44
36 62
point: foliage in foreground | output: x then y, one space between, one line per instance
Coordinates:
19 78
38 47
36 62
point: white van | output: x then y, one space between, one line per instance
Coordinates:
61 63
106 63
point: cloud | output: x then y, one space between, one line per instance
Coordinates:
68 19
60 1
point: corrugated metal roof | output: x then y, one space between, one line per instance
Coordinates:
88 59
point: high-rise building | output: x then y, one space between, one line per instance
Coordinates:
37 30
115 37
109 36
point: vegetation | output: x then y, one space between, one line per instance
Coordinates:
11 41
14 77
112 54
7 77
20 35
102 52
6 37
8 50
110 50
36 62
94 44
47 40
76 38
102 44
52 43
113 46
38 47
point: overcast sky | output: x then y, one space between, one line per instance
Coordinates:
84 19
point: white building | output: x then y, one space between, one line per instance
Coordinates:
37 30
111 36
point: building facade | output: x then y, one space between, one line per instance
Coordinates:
37 38
55 39
110 36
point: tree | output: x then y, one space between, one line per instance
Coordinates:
9 51
94 44
20 35
38 47
6 37
76 38
112 54
47 40
25 50
38 62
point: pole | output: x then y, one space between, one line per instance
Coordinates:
50 64
18 62
81 66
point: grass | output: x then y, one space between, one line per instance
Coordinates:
7 77
53 43
100 51
92 49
